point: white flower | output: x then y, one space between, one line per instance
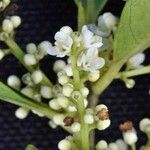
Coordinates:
64 145
63 42
136 60
21 113
14 82
130 137
89 39
90 61
145 125
101 145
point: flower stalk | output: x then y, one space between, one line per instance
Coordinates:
84 133
136 72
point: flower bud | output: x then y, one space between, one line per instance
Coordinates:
101 145
67 90
93 76
44 47
66 30
63 79
100 107
121 144
37 76
31 48
72 109
76 95
59 65
136 60
113 146
145 124
88 119
68 70
28 92
54 104
46 92
1 54
38 113
63 101
75 127
16 21
26 79
64 145
58 119
130 83
130 137
85 103
52 124
21 113
29 59
103 124
85 91
14 82
110 20
7 26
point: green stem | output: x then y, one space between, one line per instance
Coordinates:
133 147
19 54
81 15
84 132
136 72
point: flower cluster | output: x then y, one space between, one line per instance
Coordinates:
129 137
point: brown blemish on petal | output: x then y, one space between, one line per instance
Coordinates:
68 121
103 114
124 127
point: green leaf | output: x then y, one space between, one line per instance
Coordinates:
133 34
9 95
31 147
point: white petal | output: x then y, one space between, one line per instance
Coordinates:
66 30
98 63
87 36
